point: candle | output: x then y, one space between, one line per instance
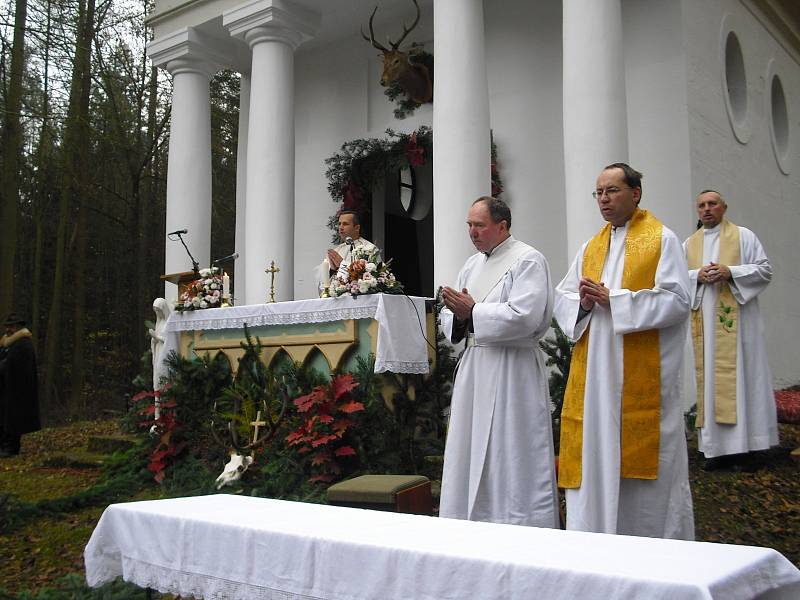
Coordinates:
326 274
226 285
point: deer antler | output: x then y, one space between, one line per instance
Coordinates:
371 38
406 30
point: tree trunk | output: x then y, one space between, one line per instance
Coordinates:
76 404
12 159
69 192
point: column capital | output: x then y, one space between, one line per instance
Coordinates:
272 20
186 50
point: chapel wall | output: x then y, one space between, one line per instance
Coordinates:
759 194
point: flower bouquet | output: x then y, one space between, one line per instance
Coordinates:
366 274
205 292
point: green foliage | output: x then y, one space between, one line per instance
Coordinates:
195 385
124 474
559 355
73 587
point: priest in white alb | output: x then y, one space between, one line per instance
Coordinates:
498 462
339 258
728 270
625 300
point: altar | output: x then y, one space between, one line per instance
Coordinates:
229 546
325 333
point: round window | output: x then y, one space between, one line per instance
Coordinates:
735 85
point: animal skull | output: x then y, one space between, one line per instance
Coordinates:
233 470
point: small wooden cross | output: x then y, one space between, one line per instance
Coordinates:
272 270
258 423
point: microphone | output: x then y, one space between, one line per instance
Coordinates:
178 232
230 257
349 241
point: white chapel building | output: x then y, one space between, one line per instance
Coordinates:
695 94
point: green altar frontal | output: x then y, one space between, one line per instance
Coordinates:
326 347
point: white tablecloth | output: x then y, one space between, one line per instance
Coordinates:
401 347
227 546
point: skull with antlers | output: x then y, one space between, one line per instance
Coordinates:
413 77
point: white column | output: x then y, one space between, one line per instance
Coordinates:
241 188
595 112
189 167
273 29
191 60
462 153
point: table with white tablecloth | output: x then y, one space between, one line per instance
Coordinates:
239 547
401 345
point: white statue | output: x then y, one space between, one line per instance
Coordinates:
233 470
157 342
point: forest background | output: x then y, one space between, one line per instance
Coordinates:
83 163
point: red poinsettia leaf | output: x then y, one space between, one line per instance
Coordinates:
351 407
325 419
322 478
159 477
295 437
159 454
169 404
322 440
147 409
344 451
340 426
320 459
342 384
317 395
142 395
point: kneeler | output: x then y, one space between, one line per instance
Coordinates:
393 493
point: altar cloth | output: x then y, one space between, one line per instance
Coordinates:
240 547
401 346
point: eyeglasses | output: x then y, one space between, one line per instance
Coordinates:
610 192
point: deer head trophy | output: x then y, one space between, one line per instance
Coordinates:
413 77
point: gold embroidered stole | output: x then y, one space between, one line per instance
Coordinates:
641 387
726 328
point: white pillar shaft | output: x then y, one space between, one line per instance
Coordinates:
595 111
241 188
269 228
462 153
189 169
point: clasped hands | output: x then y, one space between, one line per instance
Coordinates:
592 293
460 303
713 272
334 259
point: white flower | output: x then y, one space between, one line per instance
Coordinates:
205 272
187 304
196 301
203 304
363 286
214 286
367 277
371 267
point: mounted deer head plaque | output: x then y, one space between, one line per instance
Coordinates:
404 68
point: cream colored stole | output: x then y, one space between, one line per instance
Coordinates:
486 276
641 386
726 328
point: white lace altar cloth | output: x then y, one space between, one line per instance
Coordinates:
400 348
243 548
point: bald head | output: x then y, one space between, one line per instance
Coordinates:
710 208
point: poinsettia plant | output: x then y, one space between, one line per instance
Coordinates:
327 416
165 448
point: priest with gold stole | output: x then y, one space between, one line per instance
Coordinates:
625 300
728 270
498 461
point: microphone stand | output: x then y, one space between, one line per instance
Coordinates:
195 264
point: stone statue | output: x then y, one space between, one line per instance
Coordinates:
157 342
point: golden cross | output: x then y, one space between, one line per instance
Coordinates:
272 270
256 425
